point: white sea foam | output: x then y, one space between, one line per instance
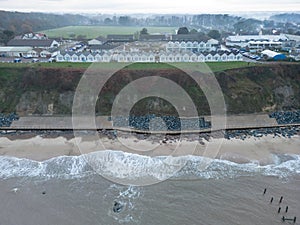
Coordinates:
121 165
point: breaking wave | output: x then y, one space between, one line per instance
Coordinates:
122 165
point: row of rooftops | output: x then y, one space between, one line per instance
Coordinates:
123 37
248 38
174 38
210 41
203 38
156 37
46 43
149 53
147 57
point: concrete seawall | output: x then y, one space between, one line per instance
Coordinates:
233 122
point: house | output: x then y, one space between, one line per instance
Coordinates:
67 57
231 57
186 58
224 57
193 58
74 58
170 45
128 57
209 46
96 41
209 57
151 57
83 57
9 51
182 46
60 57
201 58
163 57
189 37
144 57
90 58
98 58
121 58
171 57
202 46
239 57
39 36
152 37
195 46
189 46
106 57
216 57
34 43
173 46
273 55
178 57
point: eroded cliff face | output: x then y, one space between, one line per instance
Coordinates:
261 89
38 91
49 91
45 103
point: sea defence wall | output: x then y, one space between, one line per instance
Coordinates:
233 122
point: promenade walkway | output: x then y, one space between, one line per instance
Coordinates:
233 122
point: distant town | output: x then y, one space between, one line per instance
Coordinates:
182 45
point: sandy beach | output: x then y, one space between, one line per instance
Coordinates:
242 151
66 190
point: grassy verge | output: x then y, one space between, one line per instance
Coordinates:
214 66
45 65
221 66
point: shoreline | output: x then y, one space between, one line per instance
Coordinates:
44 146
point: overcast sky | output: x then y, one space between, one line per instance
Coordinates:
149 6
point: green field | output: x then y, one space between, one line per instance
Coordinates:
96 31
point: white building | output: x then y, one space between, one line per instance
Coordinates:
243 41
149 57
94 42
293 43
209 46
273 55
260 45
34 43
14 51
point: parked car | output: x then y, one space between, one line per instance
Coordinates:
17 60
29 56
35 60
51 60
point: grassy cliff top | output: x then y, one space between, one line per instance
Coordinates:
214 66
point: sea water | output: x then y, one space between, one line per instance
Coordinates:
69 190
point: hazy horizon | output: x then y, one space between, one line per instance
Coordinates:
153 7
